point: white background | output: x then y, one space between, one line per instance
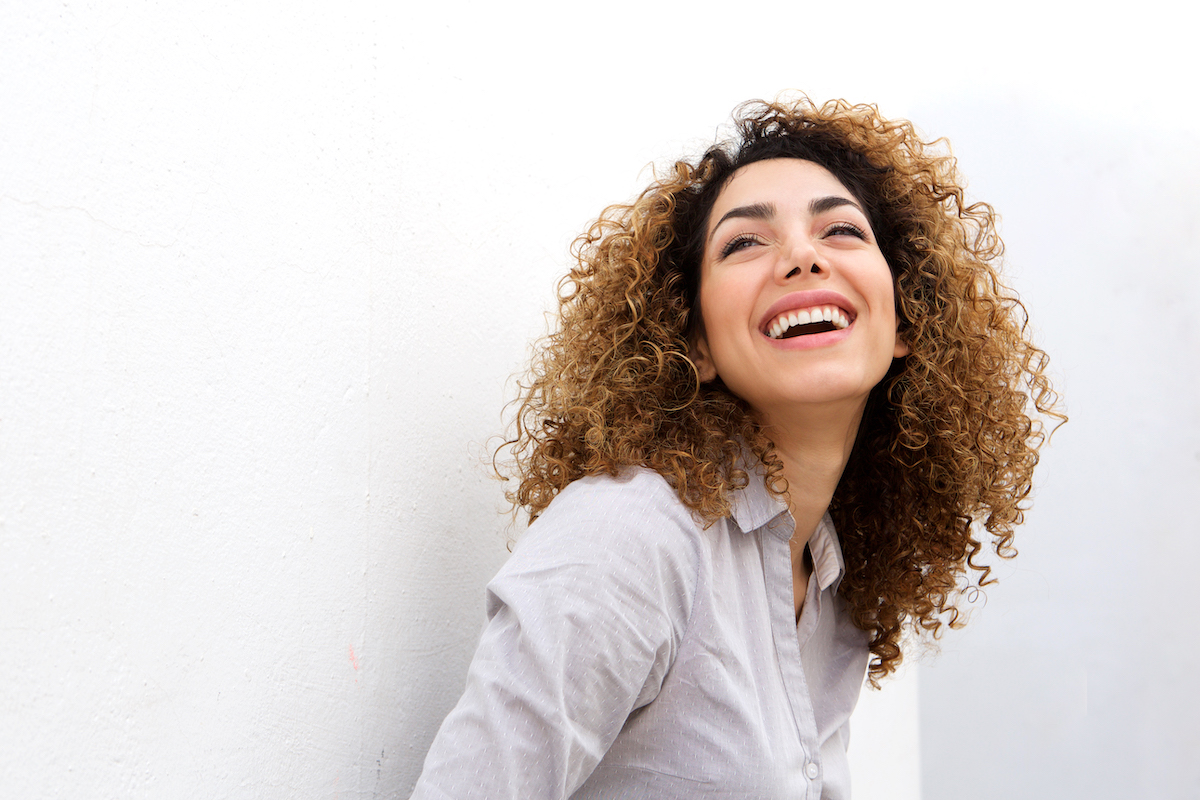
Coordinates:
265 272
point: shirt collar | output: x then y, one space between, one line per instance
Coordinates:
755 507
829 565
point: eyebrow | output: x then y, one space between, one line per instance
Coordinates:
766 211
820 205
763 211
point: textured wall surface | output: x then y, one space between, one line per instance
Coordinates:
266 271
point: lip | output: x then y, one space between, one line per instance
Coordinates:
797 300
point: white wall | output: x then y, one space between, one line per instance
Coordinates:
1075 680
266 271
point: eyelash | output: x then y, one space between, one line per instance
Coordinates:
836 229
736 242
847 228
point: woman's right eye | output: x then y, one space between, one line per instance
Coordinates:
739 242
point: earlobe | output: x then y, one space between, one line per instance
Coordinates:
901 348
701 357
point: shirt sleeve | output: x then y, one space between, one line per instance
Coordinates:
584 621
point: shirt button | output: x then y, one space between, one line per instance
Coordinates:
811 770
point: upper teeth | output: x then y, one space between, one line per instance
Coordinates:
807 316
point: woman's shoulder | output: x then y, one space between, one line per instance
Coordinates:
634 500
632 518
637 486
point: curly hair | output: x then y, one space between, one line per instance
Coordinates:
949 439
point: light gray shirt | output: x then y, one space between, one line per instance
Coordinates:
632 652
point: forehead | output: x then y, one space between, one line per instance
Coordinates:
777 180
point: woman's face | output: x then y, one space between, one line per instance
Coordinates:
796 300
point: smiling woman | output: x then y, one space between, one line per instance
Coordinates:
787 402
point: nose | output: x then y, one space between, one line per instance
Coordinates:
802 260
815 269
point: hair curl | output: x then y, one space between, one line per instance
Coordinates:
949 439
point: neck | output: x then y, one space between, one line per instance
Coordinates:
814 448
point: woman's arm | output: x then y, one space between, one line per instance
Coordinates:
584 622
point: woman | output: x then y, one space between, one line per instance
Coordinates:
785 384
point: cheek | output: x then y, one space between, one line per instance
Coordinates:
725 296
707 310
715 319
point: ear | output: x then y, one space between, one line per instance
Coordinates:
701 356
901 348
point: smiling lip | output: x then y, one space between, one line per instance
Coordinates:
799 300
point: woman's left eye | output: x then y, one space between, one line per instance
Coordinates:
845 229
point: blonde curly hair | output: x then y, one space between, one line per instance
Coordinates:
949 439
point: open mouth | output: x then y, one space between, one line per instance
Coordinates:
807 321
